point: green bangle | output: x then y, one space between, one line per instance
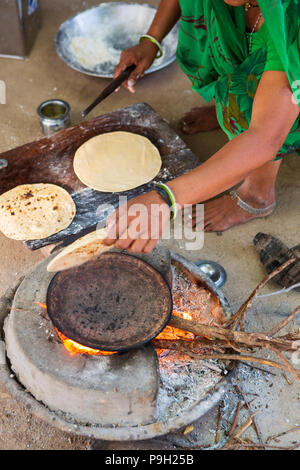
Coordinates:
154 41
170 199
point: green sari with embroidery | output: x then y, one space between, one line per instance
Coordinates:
213 51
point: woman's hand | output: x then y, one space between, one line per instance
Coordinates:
141 55
138 225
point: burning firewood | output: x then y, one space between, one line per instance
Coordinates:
226 343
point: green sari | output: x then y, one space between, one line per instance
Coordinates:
213 51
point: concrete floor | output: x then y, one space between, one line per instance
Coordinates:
42 76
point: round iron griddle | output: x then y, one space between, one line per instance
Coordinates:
114 303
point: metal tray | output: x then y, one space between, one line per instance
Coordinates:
115 27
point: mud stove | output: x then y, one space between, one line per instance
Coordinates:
109 382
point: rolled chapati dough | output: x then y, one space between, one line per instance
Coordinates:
82 250
117 161
35 211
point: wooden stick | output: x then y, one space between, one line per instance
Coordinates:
278 292
250 446
290 368
258 433
243 428
175 345
239 315
295 428
219 421
252 340
234 423
261 370
285 322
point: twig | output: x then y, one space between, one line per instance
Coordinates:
240 314
292 371
261 370
177 346
282 324
219 342
234 423
281 291
240 431
287 379
221 335
250 446
212 367
243 428
258 433
295 428
219 421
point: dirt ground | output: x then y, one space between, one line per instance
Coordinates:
42 76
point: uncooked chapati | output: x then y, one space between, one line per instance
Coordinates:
82 250
35 211
117 161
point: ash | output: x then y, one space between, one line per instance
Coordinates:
184 381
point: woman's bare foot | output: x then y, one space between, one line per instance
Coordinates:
202 119
224 213
255 198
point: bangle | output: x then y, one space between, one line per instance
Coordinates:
168 196
154 41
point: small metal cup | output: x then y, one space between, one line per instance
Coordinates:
54 116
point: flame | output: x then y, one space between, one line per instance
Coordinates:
170 333
44 306
76 348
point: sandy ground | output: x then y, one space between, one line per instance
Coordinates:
42 76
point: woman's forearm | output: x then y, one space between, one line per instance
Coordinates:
226 168
167 15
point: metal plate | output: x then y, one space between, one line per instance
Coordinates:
117 26
114 303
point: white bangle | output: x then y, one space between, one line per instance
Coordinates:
154 41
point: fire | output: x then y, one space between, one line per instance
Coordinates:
76 348
44 306
170 333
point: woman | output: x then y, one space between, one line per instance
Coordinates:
246 56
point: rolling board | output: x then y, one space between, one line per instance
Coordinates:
50 160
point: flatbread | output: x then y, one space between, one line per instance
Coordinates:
79 252
117 161
35 211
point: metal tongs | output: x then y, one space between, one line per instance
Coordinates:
109 89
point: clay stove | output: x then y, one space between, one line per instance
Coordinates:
138 394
